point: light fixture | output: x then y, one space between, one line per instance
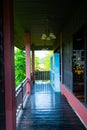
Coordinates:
52 36
44 36
47 35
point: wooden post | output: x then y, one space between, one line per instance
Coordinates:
33 65
27 48
61 55
9 79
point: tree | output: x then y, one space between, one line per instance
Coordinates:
20 65
46 60
37 62
20 69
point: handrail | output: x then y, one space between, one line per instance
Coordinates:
21 95
42 75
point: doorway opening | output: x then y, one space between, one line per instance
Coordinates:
42 65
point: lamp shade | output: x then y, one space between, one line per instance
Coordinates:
52 36
48 37
44 36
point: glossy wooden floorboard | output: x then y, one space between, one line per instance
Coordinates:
48 110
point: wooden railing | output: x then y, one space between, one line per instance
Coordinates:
21 95
21 89
42 75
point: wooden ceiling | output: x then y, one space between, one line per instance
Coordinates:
32 16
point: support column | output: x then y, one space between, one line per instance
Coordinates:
9 78
27 48
33 65
61 55
85 75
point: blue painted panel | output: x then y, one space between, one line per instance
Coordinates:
55 72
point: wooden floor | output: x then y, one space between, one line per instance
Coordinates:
48 110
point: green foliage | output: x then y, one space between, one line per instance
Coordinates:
20 69
43 58
20 64
46 60
37 62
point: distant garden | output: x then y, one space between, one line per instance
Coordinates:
42 62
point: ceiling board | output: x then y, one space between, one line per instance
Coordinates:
31 15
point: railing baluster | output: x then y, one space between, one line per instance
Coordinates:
20 95
42 75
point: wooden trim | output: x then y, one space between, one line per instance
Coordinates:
78 107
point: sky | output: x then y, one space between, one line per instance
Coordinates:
41 54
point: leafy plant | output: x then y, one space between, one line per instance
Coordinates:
20 69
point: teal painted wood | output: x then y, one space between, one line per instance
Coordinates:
55 72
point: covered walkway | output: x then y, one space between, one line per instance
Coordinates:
47 110
31 25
